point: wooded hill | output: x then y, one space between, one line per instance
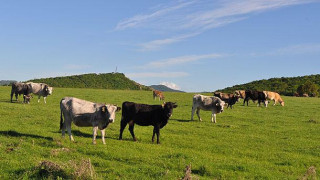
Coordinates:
163 88
284 85
96 81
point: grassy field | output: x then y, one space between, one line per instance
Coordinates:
245 143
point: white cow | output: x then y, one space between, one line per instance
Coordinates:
40 89
207 103
86 114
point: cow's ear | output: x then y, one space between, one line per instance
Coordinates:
103 109
175 106
217 104
163 104
118 109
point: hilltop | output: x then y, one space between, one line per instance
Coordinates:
284 85
96 81
163 88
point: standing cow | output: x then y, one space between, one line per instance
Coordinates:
228 98
145 115
256 95
40 89
207 103
159 94
20 88
86 114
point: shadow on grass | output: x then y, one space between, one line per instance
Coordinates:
17 134
181 120
78 133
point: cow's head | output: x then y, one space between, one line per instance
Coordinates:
110 112
282 103
219 105
168 108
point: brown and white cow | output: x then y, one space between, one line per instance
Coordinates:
207 103
159 94
86 114
275 97
228 98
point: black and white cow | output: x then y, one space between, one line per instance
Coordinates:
254 96
40 89
207 103
86 114
145 115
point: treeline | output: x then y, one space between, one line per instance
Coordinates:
97 81
288 86
6 82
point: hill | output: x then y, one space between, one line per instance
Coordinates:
163 88
284 85
6 82
96 81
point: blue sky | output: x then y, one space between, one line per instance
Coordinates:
192 45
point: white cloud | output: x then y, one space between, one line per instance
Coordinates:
171 85
157 74
180 60
190 18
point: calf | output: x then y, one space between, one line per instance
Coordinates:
145 115
256 95
159 94
85 114
27 98
207 103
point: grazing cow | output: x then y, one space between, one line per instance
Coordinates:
145 115
305 95
86 114
256 95
20 88
159 94
207 103
228 98
41 89
275 97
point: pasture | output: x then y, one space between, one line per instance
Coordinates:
245 143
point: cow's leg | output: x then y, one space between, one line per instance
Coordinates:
123 125
274 102
192 112
213 117
131 127
11 95
102 136
95 129
157 131
38 98
44 98
198 114
68 126
16 94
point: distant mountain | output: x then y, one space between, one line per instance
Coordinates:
6 82
163 88
284 85
98 81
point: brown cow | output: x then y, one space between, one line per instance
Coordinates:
159 94
228 98
275 97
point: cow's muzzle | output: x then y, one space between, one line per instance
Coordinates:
111 120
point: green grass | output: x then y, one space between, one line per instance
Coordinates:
245 143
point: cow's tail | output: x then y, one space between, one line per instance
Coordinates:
61 119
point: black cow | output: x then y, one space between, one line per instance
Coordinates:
145 115
255 95
20 88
